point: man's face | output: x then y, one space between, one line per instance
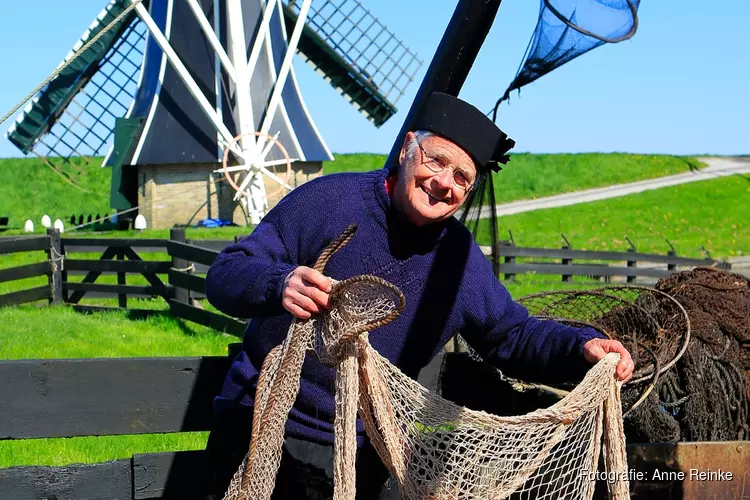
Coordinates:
434 181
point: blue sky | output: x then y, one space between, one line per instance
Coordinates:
681 85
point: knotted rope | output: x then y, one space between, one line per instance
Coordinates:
434 448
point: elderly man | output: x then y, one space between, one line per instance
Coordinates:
407 235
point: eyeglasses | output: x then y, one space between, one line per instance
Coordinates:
462 180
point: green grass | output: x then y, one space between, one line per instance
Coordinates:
31 332
94 449
30 189
529 176
712 214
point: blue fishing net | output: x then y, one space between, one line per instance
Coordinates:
568 28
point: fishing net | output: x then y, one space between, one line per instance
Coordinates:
707 392
568 28
651 324
690 341
432 447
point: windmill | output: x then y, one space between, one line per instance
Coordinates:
166 89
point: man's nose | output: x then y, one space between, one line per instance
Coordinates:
444 178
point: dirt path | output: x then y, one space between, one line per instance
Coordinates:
717 167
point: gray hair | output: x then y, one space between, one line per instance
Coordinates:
411 149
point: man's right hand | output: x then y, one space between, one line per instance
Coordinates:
305 292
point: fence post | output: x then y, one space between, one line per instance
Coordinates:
508 259
631 263
122 298
670 265
567 262
180 294
55 256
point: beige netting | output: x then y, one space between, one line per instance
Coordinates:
433 448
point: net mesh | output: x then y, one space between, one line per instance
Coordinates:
432 447
567 29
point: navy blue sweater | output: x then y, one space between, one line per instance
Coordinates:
446 279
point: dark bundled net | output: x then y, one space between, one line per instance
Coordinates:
690 340
568 28
708 390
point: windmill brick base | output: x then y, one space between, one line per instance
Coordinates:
171 195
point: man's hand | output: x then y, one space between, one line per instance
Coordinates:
596 349
305 292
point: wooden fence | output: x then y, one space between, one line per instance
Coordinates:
100 397
567 262
178 281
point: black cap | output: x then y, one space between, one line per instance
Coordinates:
463 124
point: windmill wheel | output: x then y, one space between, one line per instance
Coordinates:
261 161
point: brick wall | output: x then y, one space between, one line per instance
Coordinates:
186 194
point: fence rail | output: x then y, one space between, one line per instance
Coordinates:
568 262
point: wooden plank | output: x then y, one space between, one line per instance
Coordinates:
559 253
110 290
25 296
102 481
152 278
216 245
90 276
673 470
207 318
23 244
185 280
583 270
69 249
118 266
25 271
168 475
80 397
192 253
114 242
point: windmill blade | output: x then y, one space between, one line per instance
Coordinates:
567 29
356 54
74 115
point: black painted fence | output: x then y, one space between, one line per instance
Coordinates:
567 262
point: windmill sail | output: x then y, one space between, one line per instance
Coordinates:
74 115
122 92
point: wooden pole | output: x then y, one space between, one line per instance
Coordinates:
453 58
180 294
55 256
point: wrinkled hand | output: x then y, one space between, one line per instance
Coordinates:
596 349
305 292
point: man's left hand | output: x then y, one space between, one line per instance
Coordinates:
596 349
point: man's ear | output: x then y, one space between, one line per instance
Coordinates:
410 136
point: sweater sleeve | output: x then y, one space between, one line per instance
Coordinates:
521 345
246 278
